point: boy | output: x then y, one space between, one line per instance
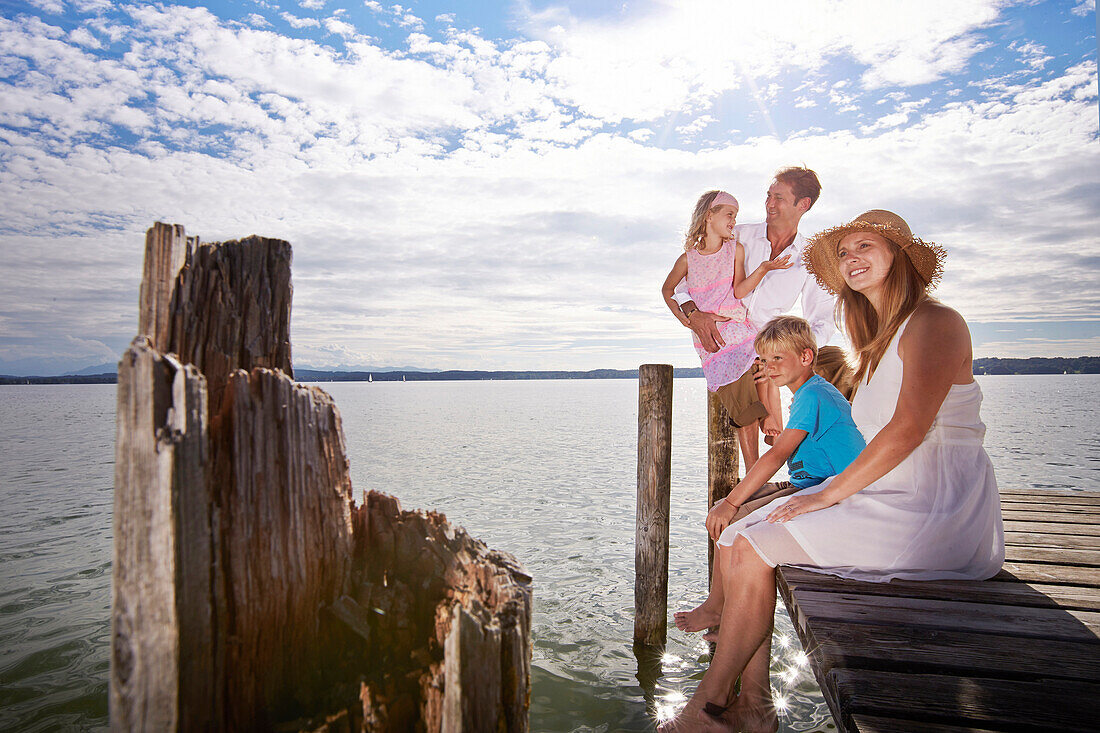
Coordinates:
820 439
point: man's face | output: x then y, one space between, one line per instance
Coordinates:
781 207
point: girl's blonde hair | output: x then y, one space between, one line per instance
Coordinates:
697 231
832 364
870 335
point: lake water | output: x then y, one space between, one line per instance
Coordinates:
543 469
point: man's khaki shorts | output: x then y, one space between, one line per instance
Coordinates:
741 400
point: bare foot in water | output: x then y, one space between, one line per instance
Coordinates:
711 635
751 718
692 718
699 618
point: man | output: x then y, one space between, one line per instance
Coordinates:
792 193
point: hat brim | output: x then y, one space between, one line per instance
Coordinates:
821 260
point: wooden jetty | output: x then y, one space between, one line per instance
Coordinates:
1019 652
250 591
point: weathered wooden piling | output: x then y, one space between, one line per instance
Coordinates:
721 460
250 592
654 485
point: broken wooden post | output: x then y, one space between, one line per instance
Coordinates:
249 590
162 630
654 484
721 461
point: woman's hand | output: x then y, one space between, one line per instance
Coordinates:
781 263
720 517
801 505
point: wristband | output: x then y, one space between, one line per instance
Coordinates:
727 500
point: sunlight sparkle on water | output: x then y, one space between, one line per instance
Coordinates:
801 659
674 697
784 641
781 703
668 658
665 713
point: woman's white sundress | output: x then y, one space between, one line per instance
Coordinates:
936 515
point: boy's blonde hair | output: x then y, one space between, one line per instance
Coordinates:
786 333
832 364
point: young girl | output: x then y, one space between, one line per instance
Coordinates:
714 265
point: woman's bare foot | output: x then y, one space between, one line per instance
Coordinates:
711 635
699 618
692 718
747 718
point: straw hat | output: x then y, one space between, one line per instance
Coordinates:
820 254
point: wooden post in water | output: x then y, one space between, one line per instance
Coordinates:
654 484
721 461
250 592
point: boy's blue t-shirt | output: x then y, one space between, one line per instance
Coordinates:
832 441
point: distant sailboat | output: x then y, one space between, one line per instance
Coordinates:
402 377
370 377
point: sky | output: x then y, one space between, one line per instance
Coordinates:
505 185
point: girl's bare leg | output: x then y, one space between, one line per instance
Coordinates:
746 622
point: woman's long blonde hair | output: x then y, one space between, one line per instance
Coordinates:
870 335
697 231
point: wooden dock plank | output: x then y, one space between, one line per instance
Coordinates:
1057 528
1059 541
875 724
1020 652
1006 704
1054 555
1082 598
1042 623
1030 515
1036 572
869 646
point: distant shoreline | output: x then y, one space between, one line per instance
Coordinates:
982 367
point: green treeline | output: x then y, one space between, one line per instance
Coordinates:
988 365
1038 365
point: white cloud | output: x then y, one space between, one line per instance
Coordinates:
1084 8
55 7
465 190
311 4
258 21
340 28
296 22
697 125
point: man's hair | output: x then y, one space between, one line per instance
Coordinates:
786 333
803 183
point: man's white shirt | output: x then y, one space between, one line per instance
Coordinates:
777 292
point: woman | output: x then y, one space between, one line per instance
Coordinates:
920 502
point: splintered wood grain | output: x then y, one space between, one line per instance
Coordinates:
450 624
284 545
161 611
231 310
167 248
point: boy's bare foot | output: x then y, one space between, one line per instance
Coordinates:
699 618
711 635
769 440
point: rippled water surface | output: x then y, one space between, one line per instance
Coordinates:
543 469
